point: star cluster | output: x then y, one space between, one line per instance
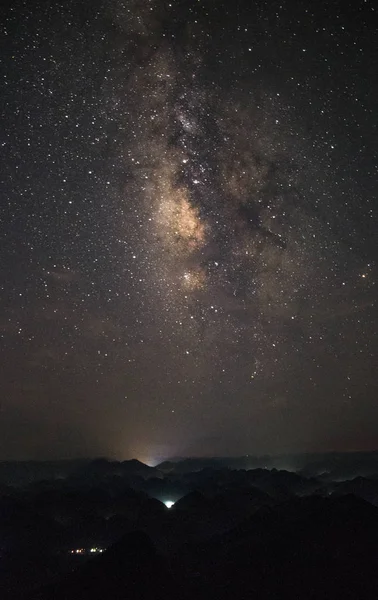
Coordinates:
188 228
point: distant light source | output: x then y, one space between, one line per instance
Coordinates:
169 503
87 551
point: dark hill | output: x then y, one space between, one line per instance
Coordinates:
130 569
311 548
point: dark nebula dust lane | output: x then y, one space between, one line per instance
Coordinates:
188 228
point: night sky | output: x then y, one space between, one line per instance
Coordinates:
188 225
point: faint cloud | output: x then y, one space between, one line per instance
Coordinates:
63 275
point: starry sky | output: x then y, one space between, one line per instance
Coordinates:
188 225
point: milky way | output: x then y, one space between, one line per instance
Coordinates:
190 257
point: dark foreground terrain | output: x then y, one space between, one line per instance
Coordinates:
238 528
